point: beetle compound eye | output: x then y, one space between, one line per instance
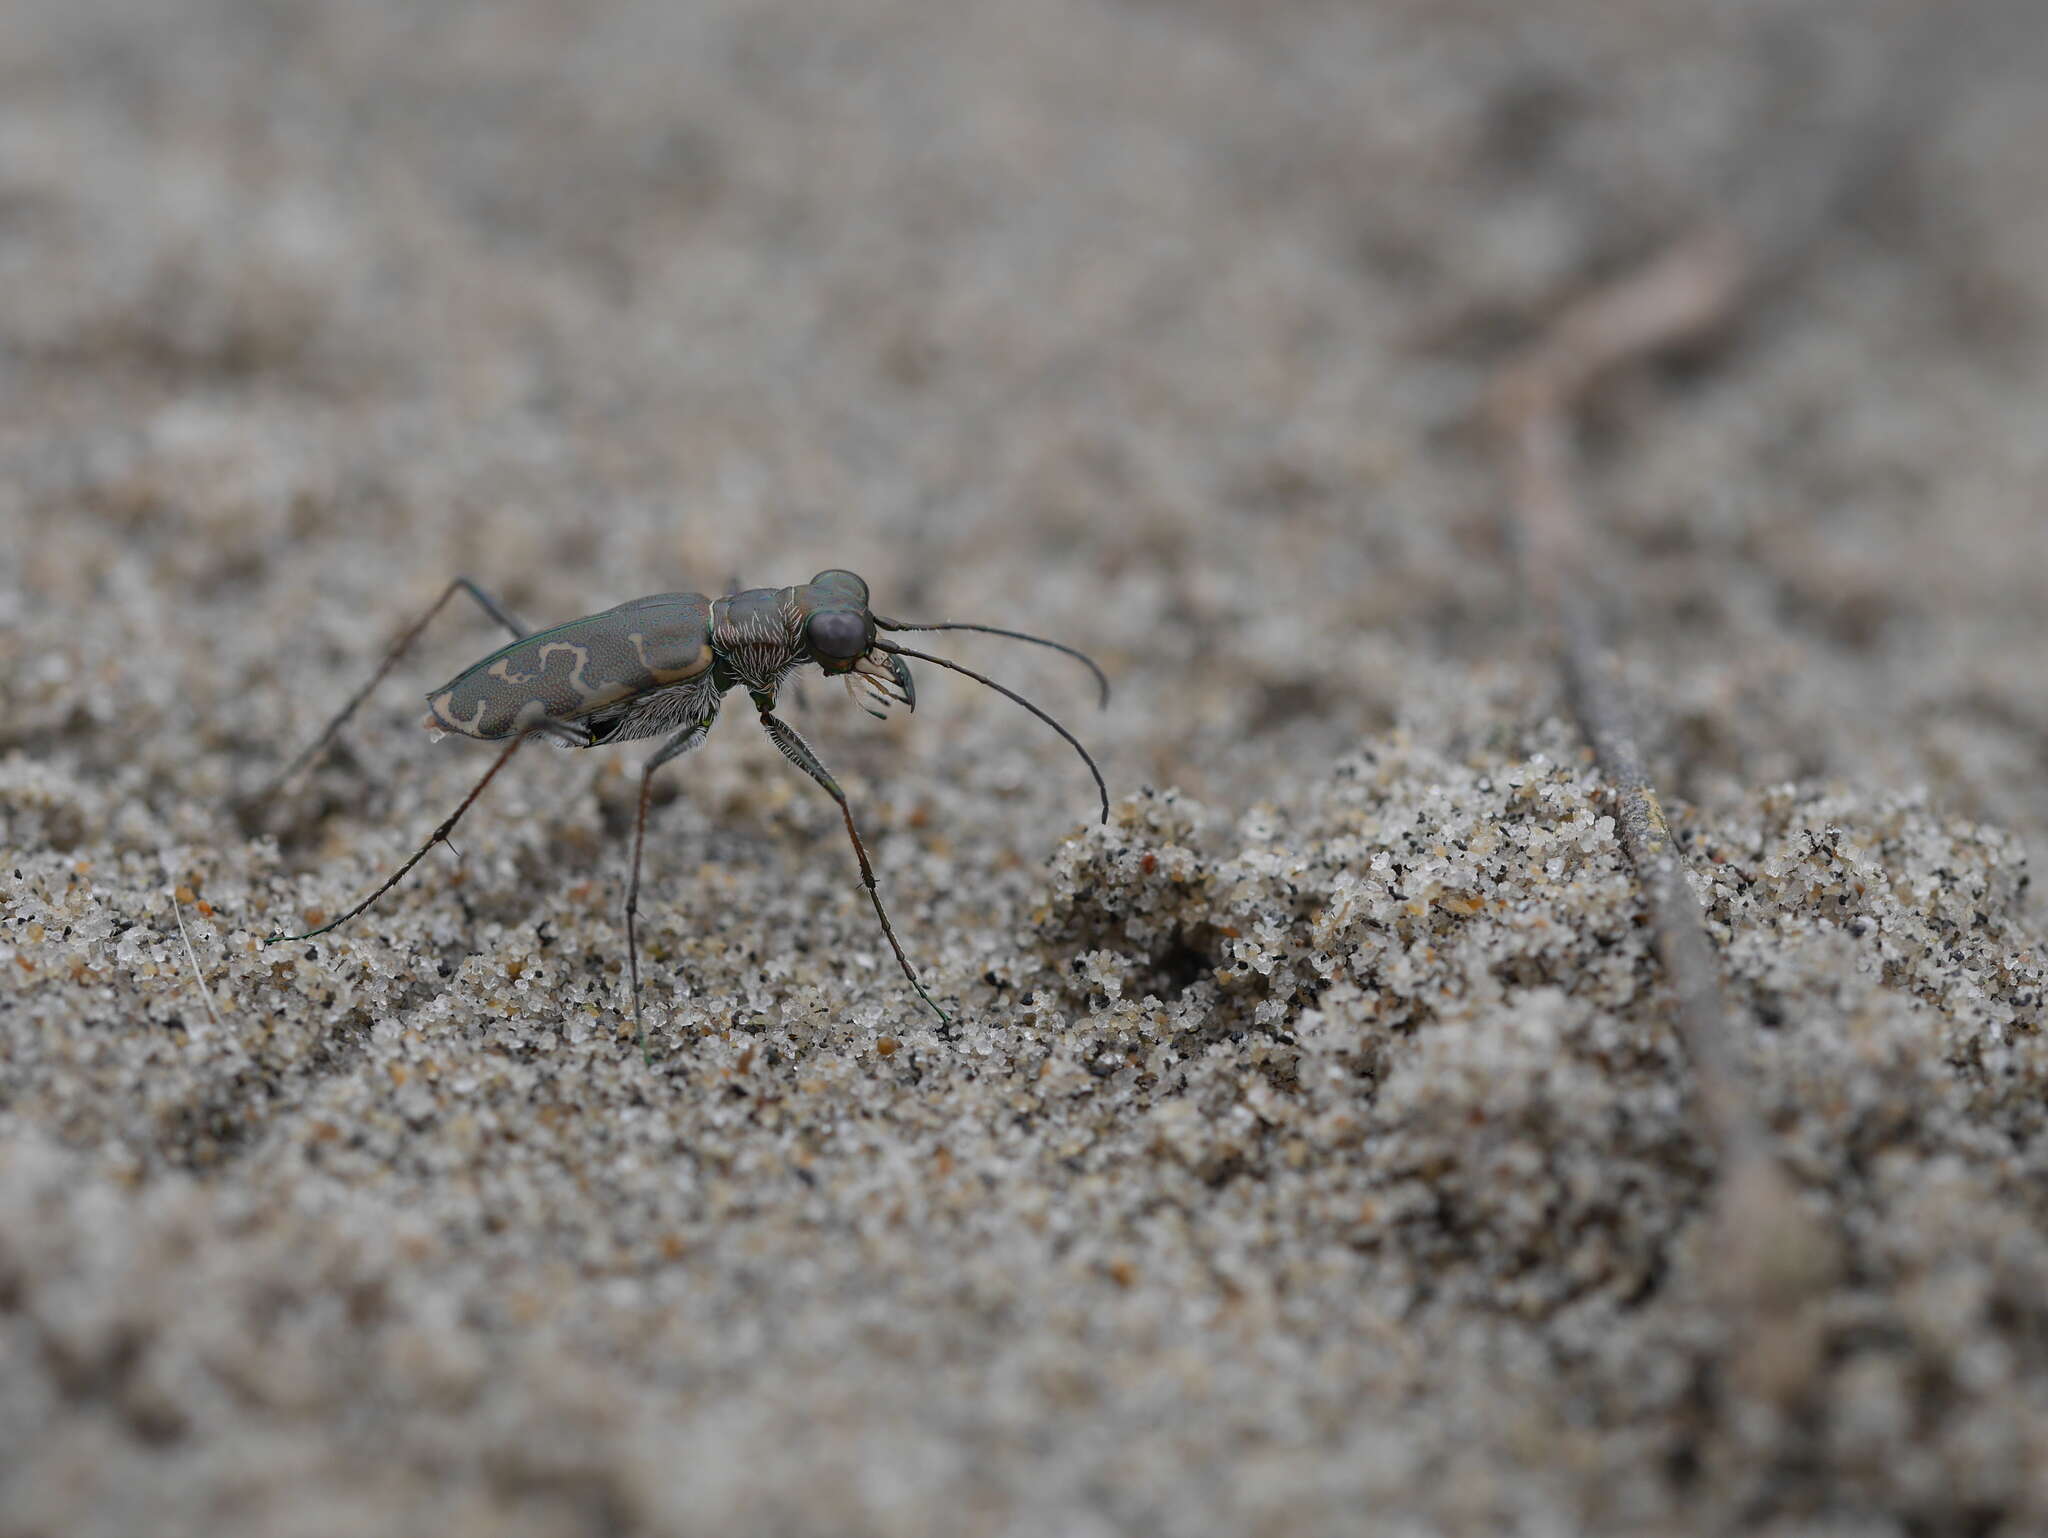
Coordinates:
838 634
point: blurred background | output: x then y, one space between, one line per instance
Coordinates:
1159 327
1162 327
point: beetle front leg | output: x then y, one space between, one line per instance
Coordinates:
798 752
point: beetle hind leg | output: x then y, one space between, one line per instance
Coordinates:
548 728
399 648
438 836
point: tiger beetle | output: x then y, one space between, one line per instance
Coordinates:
659 667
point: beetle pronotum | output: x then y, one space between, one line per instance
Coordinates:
660 667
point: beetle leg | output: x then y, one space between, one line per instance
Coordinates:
438 836
677 745
562 730
399 648
494 607
798 752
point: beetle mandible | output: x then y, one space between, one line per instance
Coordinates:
660 666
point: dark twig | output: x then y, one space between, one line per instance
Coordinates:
1771 1255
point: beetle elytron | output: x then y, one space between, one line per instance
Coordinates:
660 667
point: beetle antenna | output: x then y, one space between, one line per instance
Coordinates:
1088 662
1010 694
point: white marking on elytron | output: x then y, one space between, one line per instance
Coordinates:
442 705
502 669
660 675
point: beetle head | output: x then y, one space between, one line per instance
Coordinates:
839 633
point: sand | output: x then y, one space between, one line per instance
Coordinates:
1310 1151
